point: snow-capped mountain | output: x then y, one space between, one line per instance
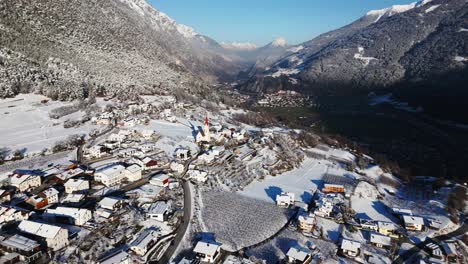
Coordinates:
54 46
383 48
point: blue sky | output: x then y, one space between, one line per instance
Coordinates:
261 21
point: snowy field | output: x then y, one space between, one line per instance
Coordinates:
239 221
364 201
25 123
302 181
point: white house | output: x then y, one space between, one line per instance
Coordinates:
177 167
388 229
11 214
97 151
145 240
147 147
160 179
413 223
127 152
306 222
111 203
29 250
380 240
182 153
111 175
54 237
76 185
298 255
160 210
369 224
199 176
133 173
350 248
285 199
25 182
77 216
149 164
208 252
117 137
51 194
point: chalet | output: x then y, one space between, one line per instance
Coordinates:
160 211
350 248
10 214
111 204
413 223
149 164
133 173
51 195
388 229
144 241
97 152
298 255
25 182
75 216
160 179
306 222
285 199
37 201
53 237
380 240
208 252
29 250
76 186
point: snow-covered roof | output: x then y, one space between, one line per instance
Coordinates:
50 192
134 168
114 258
20 242
74 182
39 229
308 219
401 211
159 207
415 220
387 225
67 211
350 245
18 179
207 248
108 202
144 238
297 254
73 198
379 239
111 170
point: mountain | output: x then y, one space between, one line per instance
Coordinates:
403 43
66 49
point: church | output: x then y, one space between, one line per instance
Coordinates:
204 135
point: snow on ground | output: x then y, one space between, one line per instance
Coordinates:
360 56
330 229
364 201
25 123
302 181
460 59
37 162
432 8
463 30
238 221
387 98
280 72
296 49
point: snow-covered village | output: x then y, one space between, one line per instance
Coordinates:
167 181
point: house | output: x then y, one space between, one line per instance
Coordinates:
199 176
37 201
435 251
160 210
149 164
388 229
117 137
333 188
207 157
177 167
4 196
369 224
53 237
10 258
111 204
127 152
111 175
11 214
76 186
204 135
450 252
160 179
285 199
380 240
73 199
401 212
28 249
71 173
209 252
75 216
182 153
25 182
51 195
97 152
147 147
350 248
118 257
298 255
413 223
145 240
306 222
133 173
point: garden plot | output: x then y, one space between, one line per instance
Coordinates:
303 182
25 123
237 221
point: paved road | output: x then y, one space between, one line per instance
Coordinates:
420 246
183 227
